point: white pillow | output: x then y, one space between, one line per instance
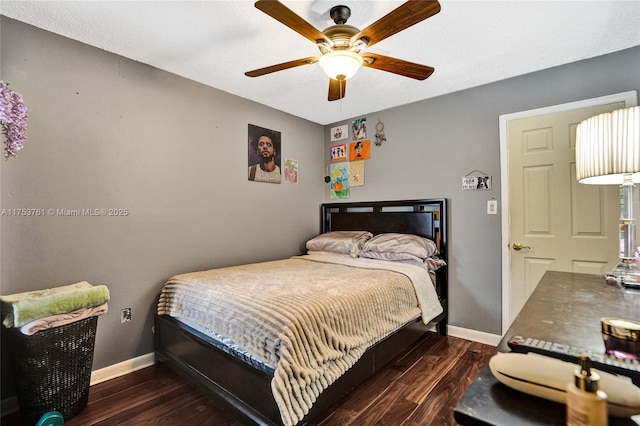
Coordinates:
393 246
341 242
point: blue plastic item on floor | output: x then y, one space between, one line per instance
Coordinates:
52 418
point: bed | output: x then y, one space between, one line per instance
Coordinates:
234 378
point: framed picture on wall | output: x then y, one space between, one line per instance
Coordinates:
264 154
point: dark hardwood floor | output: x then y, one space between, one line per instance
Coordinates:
420 387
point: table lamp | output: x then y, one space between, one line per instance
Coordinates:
608 153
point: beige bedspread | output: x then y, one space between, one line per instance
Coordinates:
310 316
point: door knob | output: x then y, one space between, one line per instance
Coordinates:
518 246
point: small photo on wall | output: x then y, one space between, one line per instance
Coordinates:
360 150
290 170
264 154
339 133
359 128
338 153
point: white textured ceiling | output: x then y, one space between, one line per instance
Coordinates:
469 43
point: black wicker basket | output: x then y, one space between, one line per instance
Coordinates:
52 368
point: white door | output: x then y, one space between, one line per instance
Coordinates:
562 225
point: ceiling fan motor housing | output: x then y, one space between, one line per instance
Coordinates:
340 14
340 35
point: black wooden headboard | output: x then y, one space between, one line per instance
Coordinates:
427 218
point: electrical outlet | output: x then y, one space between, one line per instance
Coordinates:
125 315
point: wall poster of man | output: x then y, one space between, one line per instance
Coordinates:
264 155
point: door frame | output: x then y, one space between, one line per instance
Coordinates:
630 99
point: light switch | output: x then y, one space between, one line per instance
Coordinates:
492 207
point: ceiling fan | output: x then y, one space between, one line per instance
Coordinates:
341 44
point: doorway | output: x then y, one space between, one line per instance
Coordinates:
540 187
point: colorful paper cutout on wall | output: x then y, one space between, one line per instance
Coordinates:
339 183
356 173
338 153
339 133
359 129
360 150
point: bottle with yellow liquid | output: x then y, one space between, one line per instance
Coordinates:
586 404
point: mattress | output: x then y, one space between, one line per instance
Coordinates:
308 317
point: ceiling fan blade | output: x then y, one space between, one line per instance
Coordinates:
283 14
401 18
337 89
397 66
282 66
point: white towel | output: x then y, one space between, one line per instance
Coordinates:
62 319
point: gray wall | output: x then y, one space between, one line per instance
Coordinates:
432 144
107 132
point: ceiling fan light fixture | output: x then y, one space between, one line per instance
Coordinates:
343 63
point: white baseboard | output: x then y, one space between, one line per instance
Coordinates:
474 335
122 368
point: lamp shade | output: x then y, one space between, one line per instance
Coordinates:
340 64
608 147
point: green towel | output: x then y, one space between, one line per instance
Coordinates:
21 308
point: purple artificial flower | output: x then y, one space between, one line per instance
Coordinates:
13 119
